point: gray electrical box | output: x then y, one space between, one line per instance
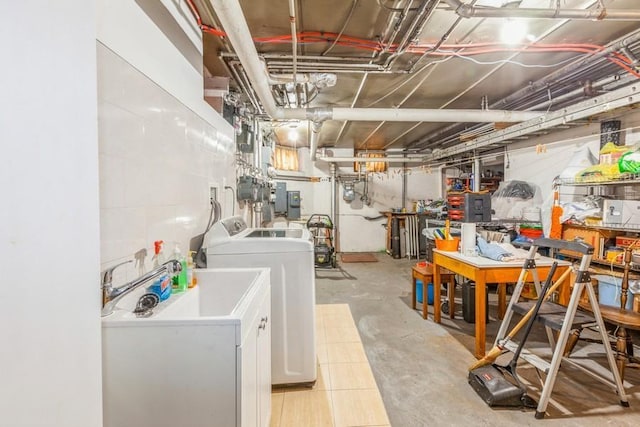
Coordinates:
293 205
280 207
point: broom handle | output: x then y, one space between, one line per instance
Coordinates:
527 316
534 313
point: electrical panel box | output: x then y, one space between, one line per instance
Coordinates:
293 205
247 189
281 198
245 140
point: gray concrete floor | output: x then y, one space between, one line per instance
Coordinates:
421 367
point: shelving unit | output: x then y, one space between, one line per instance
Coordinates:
623 179
600 236
490 184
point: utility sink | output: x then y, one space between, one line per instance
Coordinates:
221 294
195 361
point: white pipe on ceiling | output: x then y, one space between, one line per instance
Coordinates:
294 39
313 139
431 115
373 159
237 30
468 11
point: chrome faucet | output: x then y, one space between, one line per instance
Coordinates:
111 295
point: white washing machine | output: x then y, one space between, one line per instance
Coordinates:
289 254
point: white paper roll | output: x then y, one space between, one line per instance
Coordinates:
468 240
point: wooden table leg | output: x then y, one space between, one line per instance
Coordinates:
621 350
502 300
437 284
425 299
481 314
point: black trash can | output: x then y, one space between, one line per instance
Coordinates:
469 302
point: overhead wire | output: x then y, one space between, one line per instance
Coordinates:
394 9
344 26
340 39
509 61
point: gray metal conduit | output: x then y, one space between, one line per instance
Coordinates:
437 135
467 11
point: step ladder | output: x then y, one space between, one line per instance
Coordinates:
560 318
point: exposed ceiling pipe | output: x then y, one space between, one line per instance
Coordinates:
468 11
431 115
437 136
426 138
556 76
618 98
237 30
563 72
417 25
444 38
313 139
397 27
373 159
294 39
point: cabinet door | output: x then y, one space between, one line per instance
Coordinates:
249 376
264 363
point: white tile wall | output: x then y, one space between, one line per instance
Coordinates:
157 160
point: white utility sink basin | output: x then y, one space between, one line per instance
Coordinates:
220 294
195 361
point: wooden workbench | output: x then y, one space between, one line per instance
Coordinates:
483 271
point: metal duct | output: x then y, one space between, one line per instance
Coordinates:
468 11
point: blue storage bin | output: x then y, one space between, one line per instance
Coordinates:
609 289
419 295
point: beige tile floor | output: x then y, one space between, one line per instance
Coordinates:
346 393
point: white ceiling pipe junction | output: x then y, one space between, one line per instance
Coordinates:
599 14
237 30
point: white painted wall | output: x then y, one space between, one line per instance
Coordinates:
49 239
541 168
161 144
157 160
356 232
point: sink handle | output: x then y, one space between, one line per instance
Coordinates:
107 275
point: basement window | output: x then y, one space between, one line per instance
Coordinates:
285 159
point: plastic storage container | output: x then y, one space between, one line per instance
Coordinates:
469 302
609 290
448 245
420 296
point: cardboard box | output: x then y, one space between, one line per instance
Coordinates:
596 238
624 241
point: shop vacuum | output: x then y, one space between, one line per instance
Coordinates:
490 381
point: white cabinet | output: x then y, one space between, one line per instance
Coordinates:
255 369
201 360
